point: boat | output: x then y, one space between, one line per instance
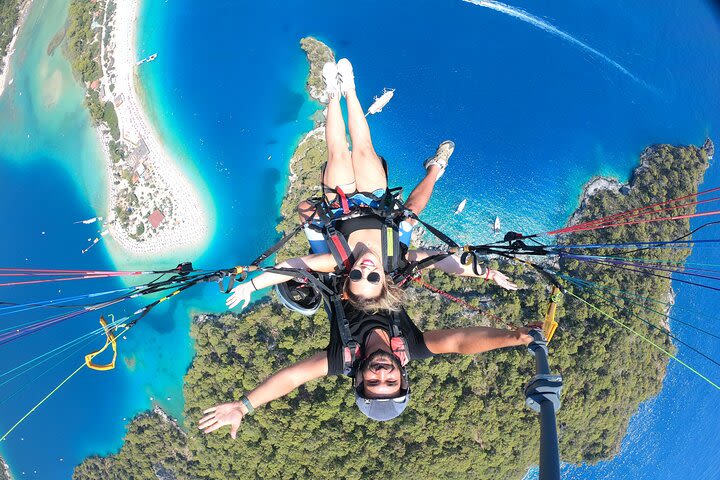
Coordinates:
496 225
461 207
381 101
147 59
89 220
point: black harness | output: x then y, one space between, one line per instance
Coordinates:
351 348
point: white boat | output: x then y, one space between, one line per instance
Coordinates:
496 225
461 207
90 220
381 101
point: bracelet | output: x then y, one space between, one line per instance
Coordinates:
487 274
252 282
248 405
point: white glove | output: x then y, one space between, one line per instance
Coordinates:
240 295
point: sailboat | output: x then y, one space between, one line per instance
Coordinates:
496 225
381 101
461 207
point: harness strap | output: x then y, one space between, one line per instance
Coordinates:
278 245
343 200
351 348
398 342
440 235
339 248
390 242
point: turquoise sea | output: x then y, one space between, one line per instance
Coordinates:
536 102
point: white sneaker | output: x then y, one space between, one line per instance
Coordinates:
330 77
346 75
441 157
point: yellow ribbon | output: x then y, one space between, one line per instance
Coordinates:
110 341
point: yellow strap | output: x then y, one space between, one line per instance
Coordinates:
109 341
390 243
550 325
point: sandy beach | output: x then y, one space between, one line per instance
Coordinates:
158 183
5 61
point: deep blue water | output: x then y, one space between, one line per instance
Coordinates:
533 117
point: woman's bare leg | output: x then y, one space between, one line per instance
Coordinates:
420 196
368 168
339 168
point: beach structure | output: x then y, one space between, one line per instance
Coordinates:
138 155
156 218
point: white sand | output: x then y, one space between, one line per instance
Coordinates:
5 61
185 227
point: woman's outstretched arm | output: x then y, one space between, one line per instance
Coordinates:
453 266
317 262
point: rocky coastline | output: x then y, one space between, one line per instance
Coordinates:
4 470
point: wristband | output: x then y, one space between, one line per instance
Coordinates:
253 284
248 405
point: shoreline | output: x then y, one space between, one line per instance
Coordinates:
145 180
5 69
5 470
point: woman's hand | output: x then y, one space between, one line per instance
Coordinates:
502 280
221 415
240 294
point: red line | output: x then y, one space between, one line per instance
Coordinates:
458 300
647 220
636 210
600 223
47 280
68 272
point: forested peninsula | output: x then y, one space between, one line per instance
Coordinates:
9 10
12 17
467 417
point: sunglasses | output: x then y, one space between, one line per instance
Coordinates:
356 275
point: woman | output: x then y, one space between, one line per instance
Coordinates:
359 177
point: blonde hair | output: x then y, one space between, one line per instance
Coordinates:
391 298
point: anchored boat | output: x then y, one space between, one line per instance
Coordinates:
380 101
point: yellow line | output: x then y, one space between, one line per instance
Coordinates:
41 402
649 341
